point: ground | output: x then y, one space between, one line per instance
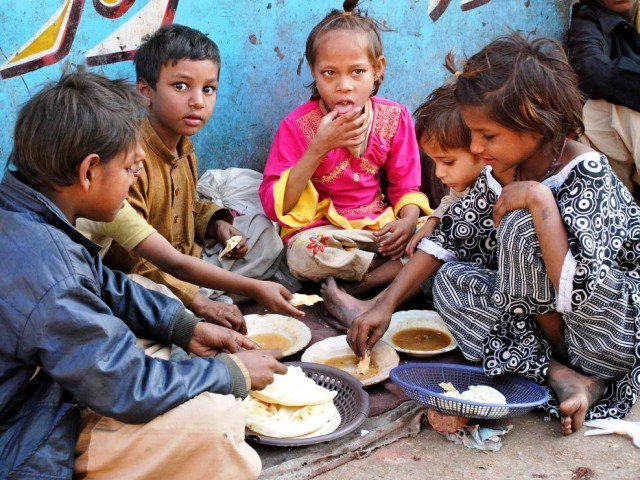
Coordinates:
534 449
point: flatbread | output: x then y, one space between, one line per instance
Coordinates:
479 394
294 389
280 421
329 427
364 364
302 299
231 244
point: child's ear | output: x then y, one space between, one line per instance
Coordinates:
146 91
380 64
87 170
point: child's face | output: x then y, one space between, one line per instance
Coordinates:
110 183
343 70
457 168
499 146
183 99
619 6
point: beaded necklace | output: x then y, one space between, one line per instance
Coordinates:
550 171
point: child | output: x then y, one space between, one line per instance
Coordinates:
177 71
445 138
604 48
322 177
540 266
69 324
133 233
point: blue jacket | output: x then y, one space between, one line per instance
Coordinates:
68 327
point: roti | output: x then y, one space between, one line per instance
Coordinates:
476 393
329 427
231 244
279 421
300 299
294 389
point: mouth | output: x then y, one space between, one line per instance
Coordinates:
193 120
343 107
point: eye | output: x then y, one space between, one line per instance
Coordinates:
209 90
328 73
359 71
180 86
487 136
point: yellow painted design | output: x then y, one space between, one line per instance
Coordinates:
111 3
47 39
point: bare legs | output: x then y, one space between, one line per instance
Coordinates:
577 393
380 274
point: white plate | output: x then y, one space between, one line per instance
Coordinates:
384 355
418 319
294 330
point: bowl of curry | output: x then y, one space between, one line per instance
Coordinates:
419 333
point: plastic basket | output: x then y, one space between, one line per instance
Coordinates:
352 402
420 381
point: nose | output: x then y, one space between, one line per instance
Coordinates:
477 146
344 84
197 99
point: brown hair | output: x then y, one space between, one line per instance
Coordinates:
525 86
352 20
438 119
80 114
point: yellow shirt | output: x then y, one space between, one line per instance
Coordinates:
165 196
128 229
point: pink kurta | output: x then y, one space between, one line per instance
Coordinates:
345 191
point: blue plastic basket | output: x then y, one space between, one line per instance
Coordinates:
420 381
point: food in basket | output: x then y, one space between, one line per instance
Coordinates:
294 389
310 410
476 393
300 299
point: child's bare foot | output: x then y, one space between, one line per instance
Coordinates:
342 305
577 394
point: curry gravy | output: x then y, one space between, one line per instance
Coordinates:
422 339
349 364
270 341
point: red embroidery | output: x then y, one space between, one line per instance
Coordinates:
317 243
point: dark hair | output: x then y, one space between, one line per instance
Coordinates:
80 114
349 19
438 119
170 44
525 86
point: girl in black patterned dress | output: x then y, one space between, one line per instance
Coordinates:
538 271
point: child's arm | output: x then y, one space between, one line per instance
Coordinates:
550 229
427 229
157 250
333 132
369 327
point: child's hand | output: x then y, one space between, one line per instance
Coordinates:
518 196
220 313
262 365
335 132
274 297
367 329
209 340
427 229
223 231
394 245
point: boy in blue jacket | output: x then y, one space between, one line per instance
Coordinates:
76 393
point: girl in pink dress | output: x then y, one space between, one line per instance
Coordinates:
322 177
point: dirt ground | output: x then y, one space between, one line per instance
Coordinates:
534 449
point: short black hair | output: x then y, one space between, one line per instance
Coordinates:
80 114
170 44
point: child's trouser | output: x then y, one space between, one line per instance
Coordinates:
491 315
200 439
329 251
615 131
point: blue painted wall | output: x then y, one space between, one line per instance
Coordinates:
262 44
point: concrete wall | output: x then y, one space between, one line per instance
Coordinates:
262 45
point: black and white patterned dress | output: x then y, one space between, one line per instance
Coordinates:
494 280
